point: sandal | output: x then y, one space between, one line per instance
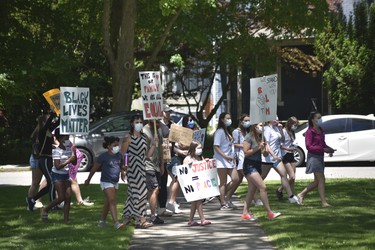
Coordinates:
144 225
193 223
44 216
205 223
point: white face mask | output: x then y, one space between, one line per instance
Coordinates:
138 127
116 149
246 124
259 130
198 151
294 127
228 122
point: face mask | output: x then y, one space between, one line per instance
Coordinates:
198 151
116 149
294 127
191 124
67 143
228 122
259 130
246 124
319 122
138 127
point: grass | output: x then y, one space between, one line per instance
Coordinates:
348 224
21 229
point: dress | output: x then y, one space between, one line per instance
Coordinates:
135 205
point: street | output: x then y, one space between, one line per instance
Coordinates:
23 178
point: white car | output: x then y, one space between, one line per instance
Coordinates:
352 136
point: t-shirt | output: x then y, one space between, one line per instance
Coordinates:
249 138
226 145
238 139
63 155
273 138
110 167
288 142
153 163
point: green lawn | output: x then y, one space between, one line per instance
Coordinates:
348 224
21 229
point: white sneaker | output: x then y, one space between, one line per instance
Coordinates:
177 210
176 204
258 203
170 207
294 199
38 204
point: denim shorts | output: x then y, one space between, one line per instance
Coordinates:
152 180
34 163
250 167
59 177
105 185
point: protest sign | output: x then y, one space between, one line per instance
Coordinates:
198 180
166 150
263 99
152 95
53 98
75 110
199 136
180 134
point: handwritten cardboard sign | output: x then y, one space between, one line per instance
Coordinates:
263 99
75 110
199 136
198 180
180 134
152 95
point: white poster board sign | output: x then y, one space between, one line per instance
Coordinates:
199 135
152 98
198 180
74 110
263 99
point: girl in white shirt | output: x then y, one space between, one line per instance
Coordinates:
224 155
273 136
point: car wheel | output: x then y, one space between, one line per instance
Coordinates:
299 157
86 162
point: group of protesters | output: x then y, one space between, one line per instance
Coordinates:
249 151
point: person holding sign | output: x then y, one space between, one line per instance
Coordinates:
154 166
196 206
111 163
254 148
273 136
45 162
316 147
135 145
224 155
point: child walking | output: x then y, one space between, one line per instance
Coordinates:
111 163
196 206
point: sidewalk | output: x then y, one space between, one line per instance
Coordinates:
227 231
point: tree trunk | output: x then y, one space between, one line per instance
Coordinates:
120 50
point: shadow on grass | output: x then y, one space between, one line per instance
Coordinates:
348 224
24 229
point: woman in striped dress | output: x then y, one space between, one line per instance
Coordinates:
135 146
